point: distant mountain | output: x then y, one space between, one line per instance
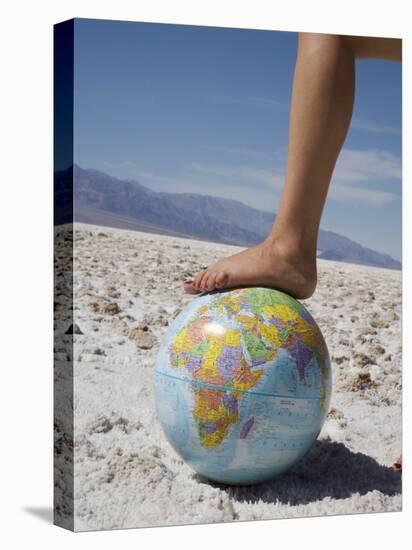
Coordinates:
104 200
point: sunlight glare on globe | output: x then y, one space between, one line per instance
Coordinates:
215 329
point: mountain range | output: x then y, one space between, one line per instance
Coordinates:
105 200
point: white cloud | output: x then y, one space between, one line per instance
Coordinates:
257 198
353 169
260 186
268 178
355 166
350 193
244 175
361 124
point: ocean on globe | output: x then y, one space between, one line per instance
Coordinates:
242 384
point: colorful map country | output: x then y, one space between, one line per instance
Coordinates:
229 343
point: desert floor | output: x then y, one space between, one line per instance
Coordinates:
127 288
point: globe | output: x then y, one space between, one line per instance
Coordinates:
242 384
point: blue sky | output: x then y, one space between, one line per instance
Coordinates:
206 110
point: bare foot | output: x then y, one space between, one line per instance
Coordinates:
270 263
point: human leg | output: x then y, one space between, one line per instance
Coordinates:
322 102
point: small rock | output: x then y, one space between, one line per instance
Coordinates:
340 360
335 413
102 235
104 424
362 359
163 321
142 337
360 381
95 306
112 292
379 349
378 322
110 308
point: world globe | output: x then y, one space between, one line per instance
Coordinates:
242 384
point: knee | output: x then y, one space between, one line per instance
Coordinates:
364 47
319 43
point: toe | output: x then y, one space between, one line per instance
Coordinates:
198 278
204 281
211 282
221 279
189 288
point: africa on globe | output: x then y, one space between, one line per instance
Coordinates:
242 384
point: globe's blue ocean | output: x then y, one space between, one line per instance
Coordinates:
242 384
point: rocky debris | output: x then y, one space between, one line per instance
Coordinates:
104 424
112 292
111 462
127 317
378 322
111 308
142 337
366 336
335 413
161 317
95 306
74 329
361 359
360 381
105 308
377 349
341 359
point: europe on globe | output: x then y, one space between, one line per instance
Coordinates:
242 384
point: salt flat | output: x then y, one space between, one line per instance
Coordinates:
127 289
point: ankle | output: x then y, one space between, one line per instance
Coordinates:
300 261
292 246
